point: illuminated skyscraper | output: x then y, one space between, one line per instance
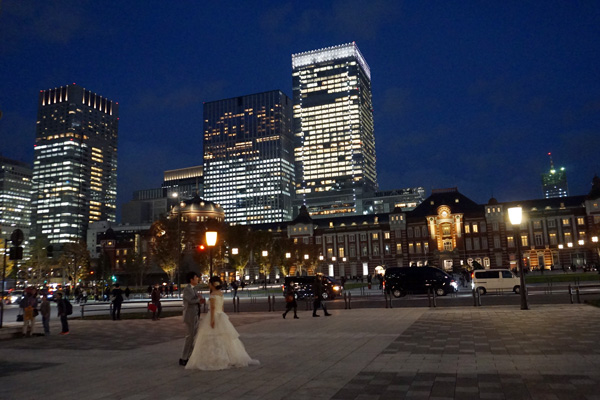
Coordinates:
15 199
248 157
75 163
333 128
554 182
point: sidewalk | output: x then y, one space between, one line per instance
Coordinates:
549 352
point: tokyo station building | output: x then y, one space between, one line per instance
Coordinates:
450 231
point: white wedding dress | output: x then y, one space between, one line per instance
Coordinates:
219 347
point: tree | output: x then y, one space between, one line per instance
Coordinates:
238 237
165 245
137 267
75 261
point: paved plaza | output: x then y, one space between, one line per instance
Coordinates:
495 352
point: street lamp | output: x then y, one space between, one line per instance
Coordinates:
515 215
265 254
211 240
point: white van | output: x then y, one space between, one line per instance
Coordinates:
485 280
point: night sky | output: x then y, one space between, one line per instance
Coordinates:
468 94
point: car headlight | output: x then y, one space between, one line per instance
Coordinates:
336 288
454 285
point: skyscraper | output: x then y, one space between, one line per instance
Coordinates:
248 157
75 163
15 198
554 182
333 128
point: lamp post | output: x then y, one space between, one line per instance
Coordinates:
595 241
211 240
321 258
265 254
515 215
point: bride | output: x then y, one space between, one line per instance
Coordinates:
217 344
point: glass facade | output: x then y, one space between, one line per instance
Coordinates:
248 157
75 163
15 199
333 128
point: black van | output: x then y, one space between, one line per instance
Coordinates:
303 286
402 280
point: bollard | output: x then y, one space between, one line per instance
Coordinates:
81 308
577 294
269 301
273 301
429 296
345 301
234 306
349 301
434 298
571 294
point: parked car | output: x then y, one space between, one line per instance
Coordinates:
495 279
400 281
303 286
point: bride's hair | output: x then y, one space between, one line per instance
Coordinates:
216 281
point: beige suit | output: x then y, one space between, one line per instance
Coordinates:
191 304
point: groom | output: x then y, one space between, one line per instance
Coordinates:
191 312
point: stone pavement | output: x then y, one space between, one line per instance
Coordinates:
499 352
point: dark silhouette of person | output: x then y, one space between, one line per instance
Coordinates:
318 290
290 301
117 300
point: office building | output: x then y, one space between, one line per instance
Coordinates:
248 157
15 199
554 182
75 163
184 183
333 128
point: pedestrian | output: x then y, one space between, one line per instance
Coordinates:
149 290
45 311
243 284
318 291
106 293
290 301
127 292
171 290
234 288
191 314
29 306
155 297
84 294
117 300
62 307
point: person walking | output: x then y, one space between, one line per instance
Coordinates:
45 311
290 301
62 313
318 290
117 300
234 288
155 297
191 314
127 292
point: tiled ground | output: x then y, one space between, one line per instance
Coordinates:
488 354
549 352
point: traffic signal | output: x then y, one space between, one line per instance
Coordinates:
201 247
16 253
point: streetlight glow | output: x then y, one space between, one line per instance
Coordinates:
306 256
581 242
234 251
288 255
211 238
515 215
265 253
